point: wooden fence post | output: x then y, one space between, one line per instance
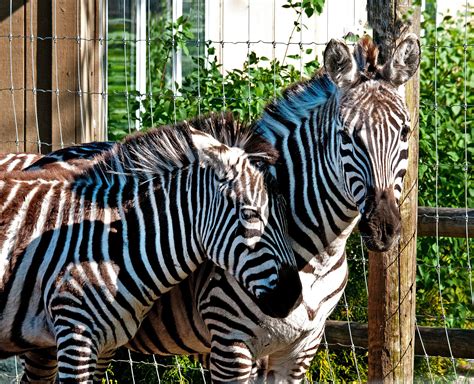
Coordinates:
12 75
56 77
392 290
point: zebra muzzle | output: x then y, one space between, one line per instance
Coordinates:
285 297
380 223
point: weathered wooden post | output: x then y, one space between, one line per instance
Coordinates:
51 78
392 274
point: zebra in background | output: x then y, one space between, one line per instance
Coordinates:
98 246
343 138
71 158
343 143
15 161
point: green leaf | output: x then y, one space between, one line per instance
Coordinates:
309 11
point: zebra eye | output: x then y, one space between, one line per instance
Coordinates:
248 214
404 132
345 138
260 164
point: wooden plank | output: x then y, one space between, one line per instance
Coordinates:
12 122
434 339
452 222
64 122
392 293
38 76
92 128
409 209
49 65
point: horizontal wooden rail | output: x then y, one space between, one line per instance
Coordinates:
452 222
434 339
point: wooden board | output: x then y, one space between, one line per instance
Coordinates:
12 74
434 339
391 285
57 77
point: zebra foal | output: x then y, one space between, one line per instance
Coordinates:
343 138
84 254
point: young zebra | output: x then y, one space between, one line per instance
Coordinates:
15 161
344 153
99 246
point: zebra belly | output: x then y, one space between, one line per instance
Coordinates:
32 332
173 326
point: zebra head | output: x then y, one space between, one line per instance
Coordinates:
250 222
373 131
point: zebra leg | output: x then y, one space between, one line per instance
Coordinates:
230 364
102 364
77 352
40 366
283 368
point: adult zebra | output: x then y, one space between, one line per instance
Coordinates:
170 198
343 147
344 153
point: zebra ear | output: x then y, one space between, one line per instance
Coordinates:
404 62
339 63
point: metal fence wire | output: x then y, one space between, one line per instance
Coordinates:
77 71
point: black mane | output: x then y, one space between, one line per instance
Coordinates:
171 147
235 133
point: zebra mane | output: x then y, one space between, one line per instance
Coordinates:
366 53
158 150
295 101
235 133
168 148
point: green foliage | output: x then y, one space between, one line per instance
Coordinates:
338 366
164 370
445 178
445 170
244 91
120 56
309 7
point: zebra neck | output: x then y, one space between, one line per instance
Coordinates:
147 225
309 172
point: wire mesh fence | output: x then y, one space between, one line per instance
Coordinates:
76 71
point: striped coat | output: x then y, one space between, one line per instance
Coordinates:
98 247
343 146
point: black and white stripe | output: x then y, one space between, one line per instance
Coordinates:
85 253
